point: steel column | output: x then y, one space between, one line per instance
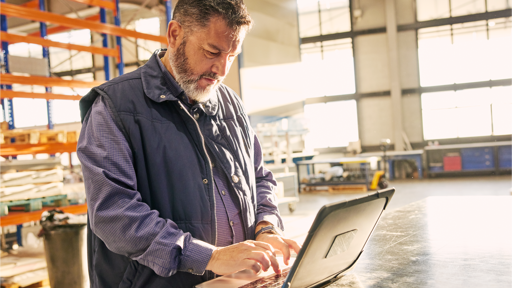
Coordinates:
106 64
8 109
117 22
394 74
46 55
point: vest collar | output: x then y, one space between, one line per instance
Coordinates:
160 87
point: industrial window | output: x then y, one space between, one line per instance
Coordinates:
331 124
495 5
321 17
34 112
467 52
26 50
66 60
437 9
145 48
467 113
331 66
28 112
67 111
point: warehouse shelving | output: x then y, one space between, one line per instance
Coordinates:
35 11
20 149
490 157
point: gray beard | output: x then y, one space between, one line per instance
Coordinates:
187 81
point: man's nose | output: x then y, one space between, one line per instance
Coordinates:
221 66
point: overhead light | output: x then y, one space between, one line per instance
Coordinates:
358 13
491 23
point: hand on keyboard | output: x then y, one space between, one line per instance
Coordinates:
280 243
271 281
252 255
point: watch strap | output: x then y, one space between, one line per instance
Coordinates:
268 229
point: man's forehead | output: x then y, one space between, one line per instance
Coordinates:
233 47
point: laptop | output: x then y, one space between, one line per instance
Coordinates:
333 245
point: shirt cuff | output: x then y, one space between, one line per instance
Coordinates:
271 218
196 256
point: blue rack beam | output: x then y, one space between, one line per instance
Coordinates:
117 22
106 62
7 105
46 55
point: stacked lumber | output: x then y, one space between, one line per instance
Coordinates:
30 136
31 190
23 272
19 136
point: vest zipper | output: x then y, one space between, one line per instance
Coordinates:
211 172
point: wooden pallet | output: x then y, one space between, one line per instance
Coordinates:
44 283
72 136
4 125
336 189
35 204
52 136
19 136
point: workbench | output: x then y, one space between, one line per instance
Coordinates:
365 163
392 156
486 157
459 241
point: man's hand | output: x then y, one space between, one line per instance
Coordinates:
280 243
252 255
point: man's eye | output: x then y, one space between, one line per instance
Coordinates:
211 54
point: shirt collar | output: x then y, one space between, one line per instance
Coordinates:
159 85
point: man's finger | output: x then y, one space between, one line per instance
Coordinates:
274 262
263 259
296 247
252 265
280 245
265 246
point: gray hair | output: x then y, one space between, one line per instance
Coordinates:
196 14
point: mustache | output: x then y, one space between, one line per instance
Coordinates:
210 75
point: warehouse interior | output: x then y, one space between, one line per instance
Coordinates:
346 97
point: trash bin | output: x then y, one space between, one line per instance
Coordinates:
65 250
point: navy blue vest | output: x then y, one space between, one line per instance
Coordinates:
172 166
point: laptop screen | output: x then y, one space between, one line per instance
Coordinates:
335 240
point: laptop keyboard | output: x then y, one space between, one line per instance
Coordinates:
271 281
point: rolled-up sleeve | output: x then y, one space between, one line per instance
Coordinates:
266 186
116 212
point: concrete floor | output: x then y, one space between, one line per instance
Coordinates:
407 191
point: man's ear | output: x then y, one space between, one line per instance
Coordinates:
174 34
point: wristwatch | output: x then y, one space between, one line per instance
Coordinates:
269 229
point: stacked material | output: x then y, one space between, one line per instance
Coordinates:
10 166
31 184
22 271
26 136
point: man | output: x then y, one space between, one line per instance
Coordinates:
176 188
